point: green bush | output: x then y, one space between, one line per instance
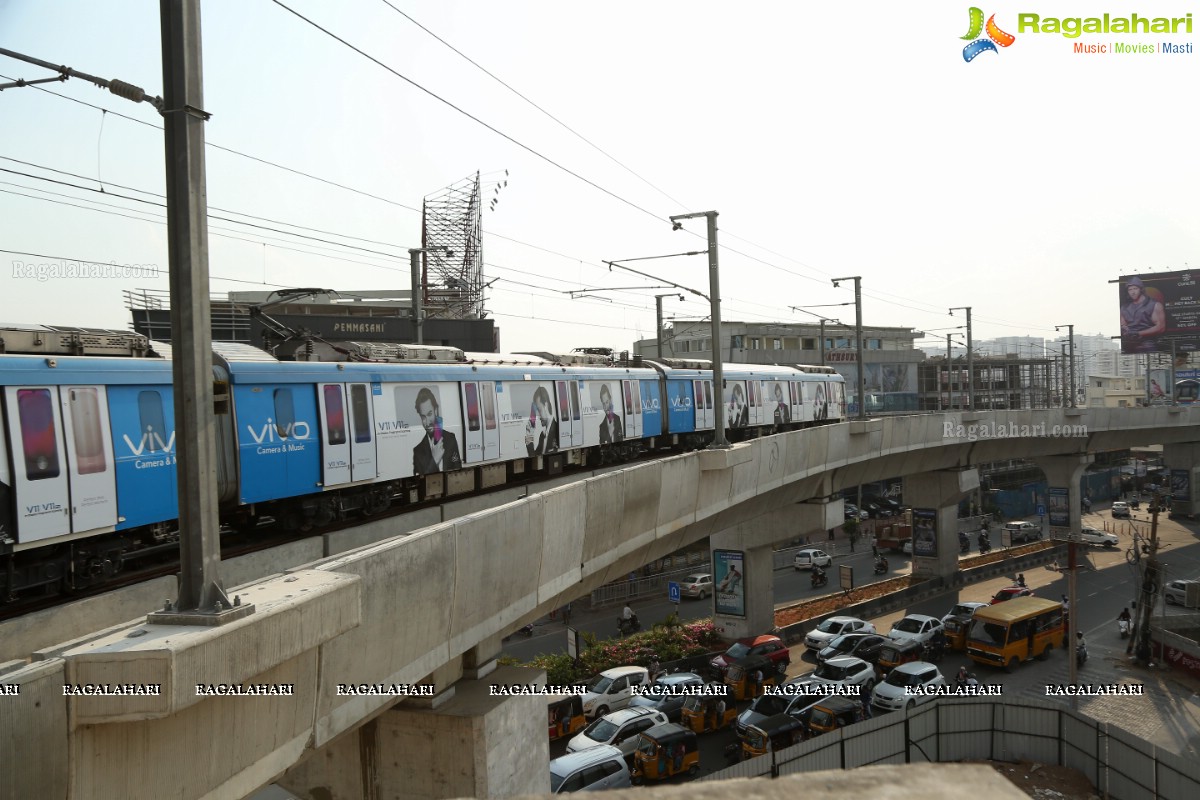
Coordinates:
669 641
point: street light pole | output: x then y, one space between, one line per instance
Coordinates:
862 377
418 287
1071 363
714 295
970 359
658 298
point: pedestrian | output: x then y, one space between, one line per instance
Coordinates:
720 713
874 550
864 698
1021 579
831 534
852 537
756 679
567 614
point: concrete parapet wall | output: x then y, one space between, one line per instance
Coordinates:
34 751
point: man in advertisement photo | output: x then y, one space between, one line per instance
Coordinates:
541 430
438 449
1143 319
610 427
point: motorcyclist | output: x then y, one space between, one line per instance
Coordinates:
818 575
1124 616
961 678
881 563
1021 579
937 643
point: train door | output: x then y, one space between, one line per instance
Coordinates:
570 425
89 449
482 433
633 409
703 404
39 462
362 424
335 438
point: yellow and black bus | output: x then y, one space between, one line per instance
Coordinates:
1008 633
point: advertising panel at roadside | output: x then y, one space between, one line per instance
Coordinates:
729 573
1158 309
925 532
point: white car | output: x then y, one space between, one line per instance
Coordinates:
612 689
698 586
808 558
1176 592
1120 509
1023 532
620 729
967 609
845 671
1102 538
918 627
890 694
834 627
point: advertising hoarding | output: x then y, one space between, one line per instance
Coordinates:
925 532
1158 309
1057 509
729 574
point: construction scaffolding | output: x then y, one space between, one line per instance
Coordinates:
452 233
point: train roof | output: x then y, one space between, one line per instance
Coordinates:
65 370
307 372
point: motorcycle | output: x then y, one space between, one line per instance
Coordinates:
1123 627
933 653
628 626
527 630
881 565
985 546
819 578
964 544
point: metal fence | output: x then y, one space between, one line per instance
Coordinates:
613 593
1121 765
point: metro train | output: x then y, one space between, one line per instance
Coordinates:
87 444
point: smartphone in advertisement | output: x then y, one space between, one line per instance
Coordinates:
437 430
84 405
472 392
35 407
360 413
335 415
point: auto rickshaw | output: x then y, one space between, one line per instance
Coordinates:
565 715
772 733
893 654
663 751
699 714
956 632
740 677
831 713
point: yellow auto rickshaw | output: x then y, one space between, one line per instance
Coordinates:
831 713
663 751
956 632
565 715
894 653
772 733
701 714
746 677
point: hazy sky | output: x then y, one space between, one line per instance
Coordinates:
840 139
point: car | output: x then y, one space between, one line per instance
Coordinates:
906 548
660 698
967 609
861 645
854 512
1175 592
1009 592
698 586
890 694
766 645
1120 509
602 767
612 689
820 637
876 511
1023 532
918 627
767 705
886 502
618 728
810 557
1098 537
846 671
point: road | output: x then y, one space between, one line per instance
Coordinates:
1105 585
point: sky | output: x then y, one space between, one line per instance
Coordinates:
833 140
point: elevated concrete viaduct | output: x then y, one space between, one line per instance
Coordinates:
431 607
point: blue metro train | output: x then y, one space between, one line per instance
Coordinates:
87 445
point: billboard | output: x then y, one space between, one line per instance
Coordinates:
1181 485
1158 309
1056 507
729 574
925 532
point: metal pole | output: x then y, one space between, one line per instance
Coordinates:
200 588
822 343
658 322
970 366
1171 381
1073 617
714 293
414 264
1062 375
949 381
862 377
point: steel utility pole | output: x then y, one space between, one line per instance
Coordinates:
970 359
949 378
862 376
202 599
658 318
1139 642
714 296
1071 361
418 288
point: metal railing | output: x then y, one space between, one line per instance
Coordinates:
613 593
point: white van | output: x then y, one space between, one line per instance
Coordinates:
612 689
595 768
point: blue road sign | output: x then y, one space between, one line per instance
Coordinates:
673 591
1041 511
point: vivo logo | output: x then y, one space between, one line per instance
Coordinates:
151 439
681 403
293 430
650 405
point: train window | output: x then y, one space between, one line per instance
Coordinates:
628 397
35 408
85 425
335 415
708 395
285 412
792 392
360 413
489 406
472 392
564 402
575 400
637 396
698 388
153 422
753 386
